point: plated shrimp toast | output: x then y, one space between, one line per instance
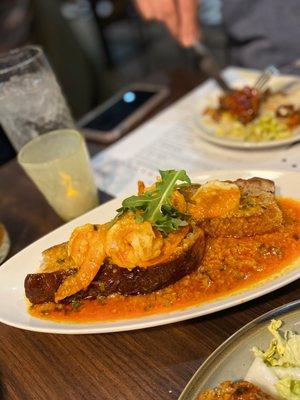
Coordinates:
165 248
41 287
150 244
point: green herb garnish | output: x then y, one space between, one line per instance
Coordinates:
75 304
101 286
155 205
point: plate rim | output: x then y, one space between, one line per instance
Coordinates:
209 135
261 318
167 317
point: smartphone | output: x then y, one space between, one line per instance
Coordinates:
109 121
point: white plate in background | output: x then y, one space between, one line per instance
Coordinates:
207 130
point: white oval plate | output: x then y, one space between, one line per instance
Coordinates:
13 308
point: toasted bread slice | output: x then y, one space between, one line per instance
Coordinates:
56 258
41 287
257 212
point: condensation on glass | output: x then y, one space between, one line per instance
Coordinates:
31 101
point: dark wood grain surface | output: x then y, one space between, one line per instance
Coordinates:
154 363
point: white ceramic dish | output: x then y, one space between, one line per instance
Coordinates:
207 130
232 360
13 309
208 133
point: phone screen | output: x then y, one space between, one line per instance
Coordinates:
128 103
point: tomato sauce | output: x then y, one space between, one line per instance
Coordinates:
230 265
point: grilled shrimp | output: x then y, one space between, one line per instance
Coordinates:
178 201
87 248
129 243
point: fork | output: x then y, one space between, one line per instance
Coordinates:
264 77
209 66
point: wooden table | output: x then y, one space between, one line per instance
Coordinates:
154 363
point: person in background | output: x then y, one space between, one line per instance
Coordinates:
15 19
259 32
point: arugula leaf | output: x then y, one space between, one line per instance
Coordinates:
155 205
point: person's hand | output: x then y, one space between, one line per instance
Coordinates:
179 16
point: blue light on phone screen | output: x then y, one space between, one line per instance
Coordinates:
129 97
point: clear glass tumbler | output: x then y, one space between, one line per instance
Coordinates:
31 101
59 165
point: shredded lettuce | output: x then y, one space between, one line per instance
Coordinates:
263 376
265 128
288 388
281 372
284 349
282 360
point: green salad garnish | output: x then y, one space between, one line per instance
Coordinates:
155 204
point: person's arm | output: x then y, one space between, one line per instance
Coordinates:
179 16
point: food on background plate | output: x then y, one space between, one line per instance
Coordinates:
277 369
175 244
243 104
254 116
290 114
274 373
240 390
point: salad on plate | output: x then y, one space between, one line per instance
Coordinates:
276 370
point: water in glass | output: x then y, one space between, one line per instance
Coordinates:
31 101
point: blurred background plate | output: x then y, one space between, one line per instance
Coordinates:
232 359
206 129
207 132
